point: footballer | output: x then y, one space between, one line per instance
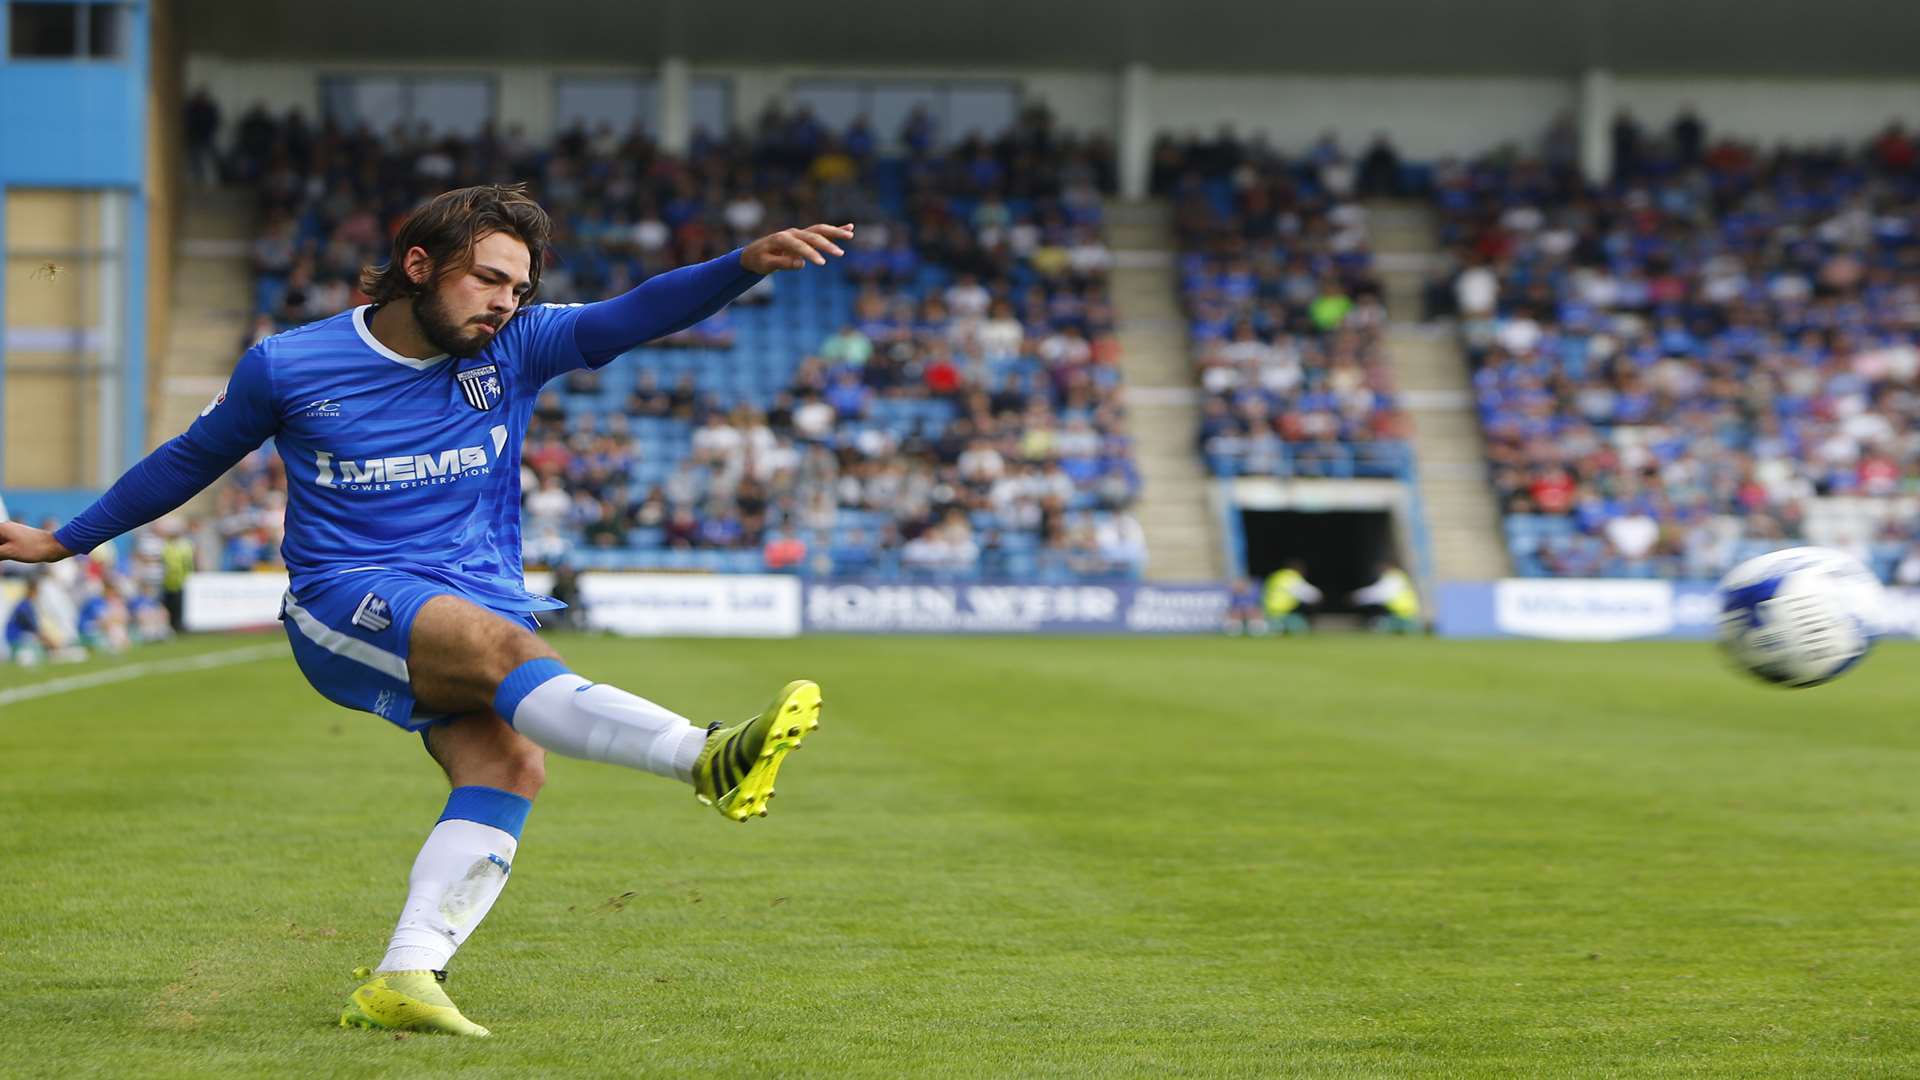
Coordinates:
400 423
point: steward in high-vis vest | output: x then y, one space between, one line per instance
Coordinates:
1394 601
1289 598
177 560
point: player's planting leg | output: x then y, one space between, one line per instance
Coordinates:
457 876
730 768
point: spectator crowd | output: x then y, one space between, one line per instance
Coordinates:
1285 315
1711 355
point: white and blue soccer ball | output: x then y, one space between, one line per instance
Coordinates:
1800 617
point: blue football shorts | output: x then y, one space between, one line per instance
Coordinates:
351 632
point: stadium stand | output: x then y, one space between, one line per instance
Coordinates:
942 404
1285 315
1710 357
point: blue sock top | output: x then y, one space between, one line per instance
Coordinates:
488 806
521 681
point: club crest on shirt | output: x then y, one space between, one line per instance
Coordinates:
480 386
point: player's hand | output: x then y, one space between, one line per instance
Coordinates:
24 543
791 249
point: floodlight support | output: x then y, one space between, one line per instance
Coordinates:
1135 124
1596 117
676 105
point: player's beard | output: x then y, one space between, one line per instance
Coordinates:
443 331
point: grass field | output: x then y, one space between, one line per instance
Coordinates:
1337 857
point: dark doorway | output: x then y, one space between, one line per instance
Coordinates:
1342 549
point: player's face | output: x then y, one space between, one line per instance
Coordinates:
469 306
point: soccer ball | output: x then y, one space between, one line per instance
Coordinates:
1799 617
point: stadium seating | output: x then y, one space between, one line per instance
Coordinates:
1285 316
1708 358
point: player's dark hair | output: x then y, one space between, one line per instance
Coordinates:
447 227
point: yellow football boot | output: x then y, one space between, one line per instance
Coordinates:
406 1001
734 772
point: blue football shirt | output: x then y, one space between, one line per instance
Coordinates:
396 462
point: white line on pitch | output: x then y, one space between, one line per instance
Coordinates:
135 671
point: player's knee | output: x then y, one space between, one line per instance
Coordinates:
523 768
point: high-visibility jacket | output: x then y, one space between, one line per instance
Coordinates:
1286 590
1395 592
177 557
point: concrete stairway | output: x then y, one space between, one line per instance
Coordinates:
1463 524
212 299
1183 536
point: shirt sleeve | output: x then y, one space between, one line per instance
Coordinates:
540 342
558 338
241 417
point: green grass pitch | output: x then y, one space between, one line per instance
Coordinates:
1007 857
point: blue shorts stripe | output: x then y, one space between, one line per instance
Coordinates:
502 810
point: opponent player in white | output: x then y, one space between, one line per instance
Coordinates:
400 424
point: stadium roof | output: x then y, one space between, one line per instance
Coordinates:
1860 38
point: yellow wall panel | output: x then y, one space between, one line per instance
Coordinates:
51 275
44 218
68 296
46 424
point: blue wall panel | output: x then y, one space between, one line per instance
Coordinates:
70 125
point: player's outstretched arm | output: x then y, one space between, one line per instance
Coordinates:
669 303
20 542
242 417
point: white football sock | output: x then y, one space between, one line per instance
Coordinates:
570 715
456 878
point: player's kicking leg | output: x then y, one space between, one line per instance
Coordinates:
512 698
466 659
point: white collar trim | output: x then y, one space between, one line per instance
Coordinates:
371 342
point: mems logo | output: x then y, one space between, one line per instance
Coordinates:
399 472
